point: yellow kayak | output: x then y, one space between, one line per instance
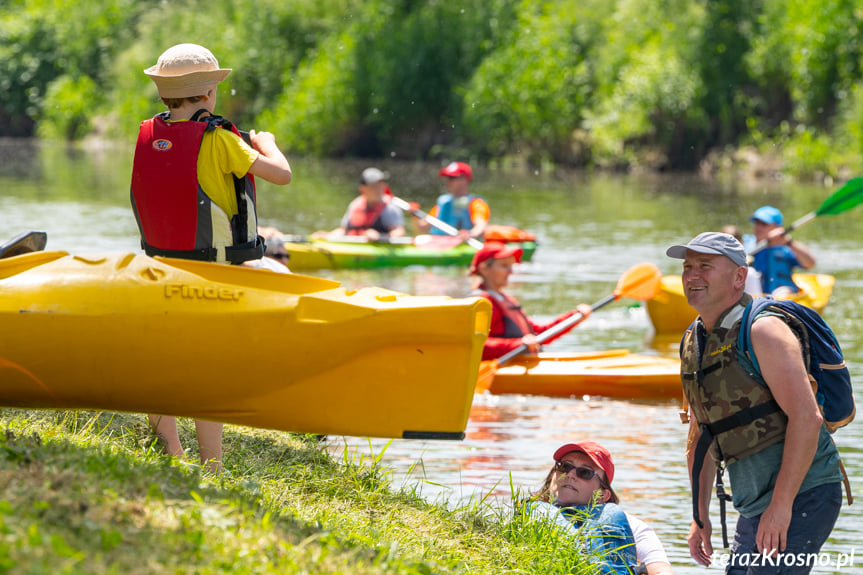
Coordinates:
613 373
670 312
125 332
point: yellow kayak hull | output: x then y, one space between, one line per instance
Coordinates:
613 373
125 332
670 313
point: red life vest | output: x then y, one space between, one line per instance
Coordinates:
361 217
516 324
175 216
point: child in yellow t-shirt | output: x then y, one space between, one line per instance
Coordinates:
187 77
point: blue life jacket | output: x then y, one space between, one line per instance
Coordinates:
607 535
776 264
455 212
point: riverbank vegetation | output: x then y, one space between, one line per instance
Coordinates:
90 493
775 85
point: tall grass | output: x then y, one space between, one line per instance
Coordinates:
92 493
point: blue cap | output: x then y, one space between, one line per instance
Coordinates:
768 215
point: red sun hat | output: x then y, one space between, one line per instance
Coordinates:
494 250
456 170
597 453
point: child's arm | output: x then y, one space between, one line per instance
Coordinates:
272 165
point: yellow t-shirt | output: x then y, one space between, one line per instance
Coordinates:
223 154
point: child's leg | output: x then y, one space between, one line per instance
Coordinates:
165 426
210 444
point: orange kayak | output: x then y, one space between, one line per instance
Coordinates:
612 373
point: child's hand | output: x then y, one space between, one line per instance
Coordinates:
262 140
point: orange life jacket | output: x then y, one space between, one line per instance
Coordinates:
361 217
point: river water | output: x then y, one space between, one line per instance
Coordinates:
591 228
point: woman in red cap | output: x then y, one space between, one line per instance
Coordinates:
577 496
510 326
466 212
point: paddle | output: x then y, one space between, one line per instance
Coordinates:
640 282
439 224
845 198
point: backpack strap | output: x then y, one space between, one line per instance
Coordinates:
684 407
243 248
744 342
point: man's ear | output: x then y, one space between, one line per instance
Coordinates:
740 276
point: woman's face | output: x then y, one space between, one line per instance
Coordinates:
496 272
568 489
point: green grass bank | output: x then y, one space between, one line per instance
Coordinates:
86 492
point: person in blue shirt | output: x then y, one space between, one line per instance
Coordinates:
777 261
466 212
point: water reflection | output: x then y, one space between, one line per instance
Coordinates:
590 229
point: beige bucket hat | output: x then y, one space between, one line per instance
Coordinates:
186 70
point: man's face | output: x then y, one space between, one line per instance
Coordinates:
374 193
711 280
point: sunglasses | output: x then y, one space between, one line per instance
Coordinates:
584 473
284 257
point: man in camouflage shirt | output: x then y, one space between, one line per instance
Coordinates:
782 465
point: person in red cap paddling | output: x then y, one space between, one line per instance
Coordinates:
510 326
459 208
577 496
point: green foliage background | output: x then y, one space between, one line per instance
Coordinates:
611 83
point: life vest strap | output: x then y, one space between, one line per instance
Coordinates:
251 250
701 449
708 432
239 222
201 255
743 417
235 255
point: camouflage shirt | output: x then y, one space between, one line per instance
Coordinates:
718 386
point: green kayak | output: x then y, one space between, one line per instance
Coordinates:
355 252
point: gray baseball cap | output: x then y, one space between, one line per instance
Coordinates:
373 175
711 243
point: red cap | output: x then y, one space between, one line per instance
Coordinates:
455 170
597 453
495 250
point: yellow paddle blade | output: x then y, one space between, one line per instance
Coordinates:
640 282
485 377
